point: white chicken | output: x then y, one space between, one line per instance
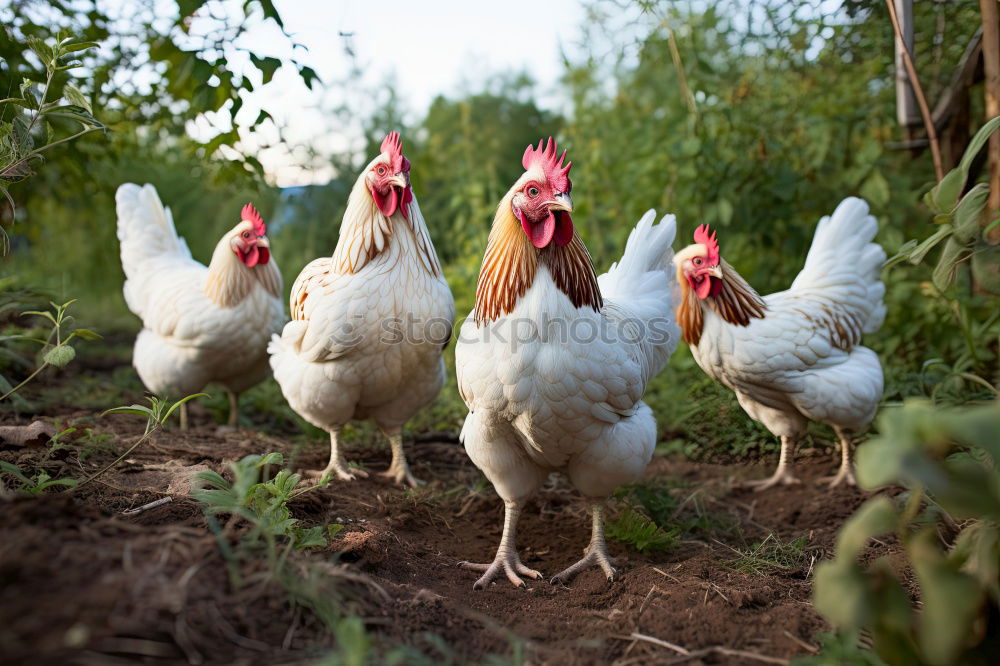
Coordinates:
793 356
199 324
554 360
370 323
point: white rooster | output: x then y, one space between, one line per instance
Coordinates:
793 356
553 362
199 324
370 323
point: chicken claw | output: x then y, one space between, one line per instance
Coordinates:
400 473
596 553
843 476
399 470
781 477
507 560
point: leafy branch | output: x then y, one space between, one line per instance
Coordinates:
17 146
156 414
59 352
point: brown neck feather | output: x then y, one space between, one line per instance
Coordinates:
737 303
511 262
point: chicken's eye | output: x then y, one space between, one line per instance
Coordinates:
532 191
697 261
380 171
246 234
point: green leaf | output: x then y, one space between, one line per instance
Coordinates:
944 195
77 46
876 516
333 529
141 410
876 189
181 402
977 143
902 255
928 244
969 213
76 97
951 600
271 13
60 355
947 267
87 334
15 471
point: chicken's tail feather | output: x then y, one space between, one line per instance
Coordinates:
641 288
844 259
648 249
145 228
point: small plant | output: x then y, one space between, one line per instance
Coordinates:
636 530
949 527
18 148
156 414
56 350
36 484
263 504
765 556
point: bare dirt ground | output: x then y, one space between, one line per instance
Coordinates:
84 584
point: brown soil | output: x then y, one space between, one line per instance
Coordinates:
83 583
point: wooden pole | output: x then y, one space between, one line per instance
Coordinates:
991 68
911 70
907 113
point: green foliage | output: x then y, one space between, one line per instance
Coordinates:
262 503
33 485
33 109
636 530
946 458
657 515
55 348
961 219
771 553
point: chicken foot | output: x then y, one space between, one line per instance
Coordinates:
507 558
399 470
781 475
338 464
596 553
845 474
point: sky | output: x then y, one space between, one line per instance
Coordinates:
427 47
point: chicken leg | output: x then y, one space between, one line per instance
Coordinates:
596 553
781 475
845 474
507 558
234 409
399 470
338 464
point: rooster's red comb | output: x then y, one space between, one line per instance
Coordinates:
555 172
250 214
706 237
393 146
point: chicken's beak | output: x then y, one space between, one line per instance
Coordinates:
715 271
263 242
399 180
562 201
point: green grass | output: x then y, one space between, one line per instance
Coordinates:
659 514
770 554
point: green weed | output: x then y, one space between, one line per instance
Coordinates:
763 557
33 485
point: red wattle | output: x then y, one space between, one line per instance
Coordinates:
540 233
251 257
387 203
564 228
265 255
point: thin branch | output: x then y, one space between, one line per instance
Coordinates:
918 91
28 379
